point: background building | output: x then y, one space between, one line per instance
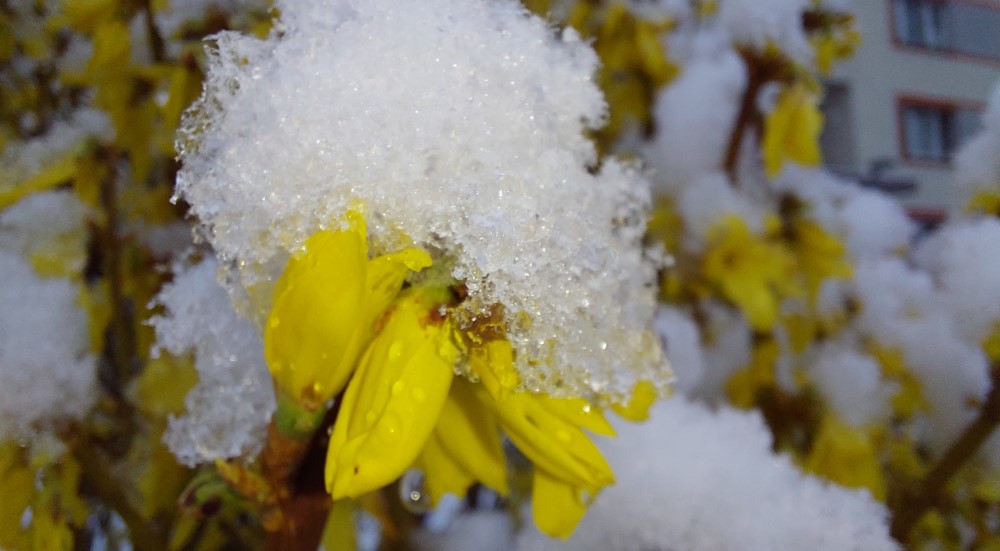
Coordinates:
912 93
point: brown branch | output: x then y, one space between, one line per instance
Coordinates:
756 78
912 509
122 346
102 481
156 44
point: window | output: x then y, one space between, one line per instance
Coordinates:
921 23
932 131
962 27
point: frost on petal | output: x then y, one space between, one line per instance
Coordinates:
230 406
459 126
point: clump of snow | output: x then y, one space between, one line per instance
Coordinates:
229 408
658 10
760 23
874 225
480 530
837 5
728 344
460 127
708 200
963 257
686 478
902 309
977 163
39 220
694 116
47 372
682 344
851 383
22 160
870 223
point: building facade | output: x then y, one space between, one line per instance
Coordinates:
913 92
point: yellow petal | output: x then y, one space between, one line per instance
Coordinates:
637 409
470 435
556 506
318 307
54 174
17 483
792 129
393 401
846 456
442 474
550 443
386 275
493 363
581 413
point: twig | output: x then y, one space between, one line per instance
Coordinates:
156 43
105 485
911 510
122 345
755 80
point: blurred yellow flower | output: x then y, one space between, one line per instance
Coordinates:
749 270
792 129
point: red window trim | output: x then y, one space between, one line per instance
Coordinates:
928 215
901 46
904 100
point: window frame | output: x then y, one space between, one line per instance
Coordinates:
946 50
950 105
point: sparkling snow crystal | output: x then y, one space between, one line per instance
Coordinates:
457 125
229 408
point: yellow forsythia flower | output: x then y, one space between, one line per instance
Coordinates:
464 448
569 469
820 255
325 305
393 401
846 456
749 270
792 129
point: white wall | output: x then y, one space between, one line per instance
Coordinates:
880 72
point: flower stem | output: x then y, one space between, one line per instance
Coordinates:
295 449
912 509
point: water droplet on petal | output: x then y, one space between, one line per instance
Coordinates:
274 322
388 427
419 396
398 387
395 351
412 492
